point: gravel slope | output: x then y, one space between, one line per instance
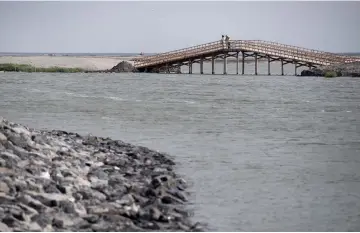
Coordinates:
60 181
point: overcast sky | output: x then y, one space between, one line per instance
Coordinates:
115 27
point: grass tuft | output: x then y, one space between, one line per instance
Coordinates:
330 74
10 67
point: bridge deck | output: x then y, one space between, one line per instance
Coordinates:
263 48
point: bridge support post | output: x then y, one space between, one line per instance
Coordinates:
295 68
269 65
282 67
256 63
237 63
309 65
190 67
212 65
243 63
202 65
179 65
225 64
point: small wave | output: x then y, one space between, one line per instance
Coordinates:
189 102
114 98
37 90
181 101
313 143
79 95
93 96
106 118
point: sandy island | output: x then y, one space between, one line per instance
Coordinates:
84 62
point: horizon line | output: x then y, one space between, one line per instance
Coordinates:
116 53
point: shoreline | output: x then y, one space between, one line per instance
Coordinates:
351 69
89 63
56 180
80 64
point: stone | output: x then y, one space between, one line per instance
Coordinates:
155 213
28 210
6 199
91 218
4 187
31 202
4 227
8 155
169 200
42 219
3 138
62 221
126 200
97 210
50 199
73 208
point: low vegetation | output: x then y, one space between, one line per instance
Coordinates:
10 67
330 74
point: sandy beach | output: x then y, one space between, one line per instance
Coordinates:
84 62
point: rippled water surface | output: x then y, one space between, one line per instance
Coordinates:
263 153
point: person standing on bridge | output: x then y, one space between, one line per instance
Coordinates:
227 39
227 44
222 41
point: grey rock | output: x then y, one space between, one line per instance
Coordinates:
63 221
3 138
31 202
155 213
97 210
42 219
4 227
4 187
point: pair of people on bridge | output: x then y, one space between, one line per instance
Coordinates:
225 42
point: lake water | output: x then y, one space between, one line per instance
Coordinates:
263 153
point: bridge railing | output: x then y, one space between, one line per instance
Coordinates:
333 57
284 51
179 54
265 47
177 51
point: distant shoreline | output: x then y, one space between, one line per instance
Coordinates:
76 64
15 54
88 63
69 64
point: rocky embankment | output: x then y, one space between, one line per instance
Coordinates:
345 69
127 67
123 66
61 181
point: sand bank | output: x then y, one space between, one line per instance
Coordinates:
84 62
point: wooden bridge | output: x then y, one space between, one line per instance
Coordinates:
171 61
